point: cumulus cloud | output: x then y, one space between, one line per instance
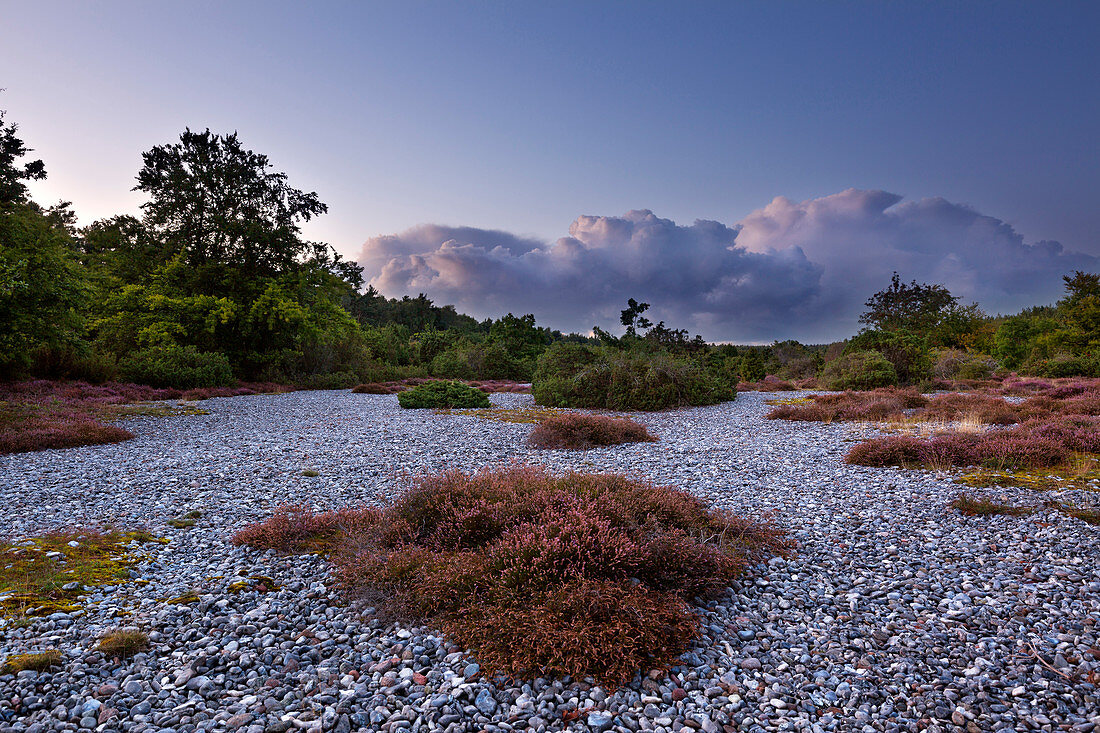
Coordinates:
788 270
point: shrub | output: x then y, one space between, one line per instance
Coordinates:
574 375
951 364
568 575
881 404
578 431
860 370
443 394
26 428
334 380
177 366
123 643
1001 449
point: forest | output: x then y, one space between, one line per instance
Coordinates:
214 283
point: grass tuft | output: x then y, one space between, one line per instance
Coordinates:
38 662
973 507
123 643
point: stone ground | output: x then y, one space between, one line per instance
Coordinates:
895 614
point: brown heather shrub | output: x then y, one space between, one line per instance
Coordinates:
885 403
24 429
1024 446
580 574
581 431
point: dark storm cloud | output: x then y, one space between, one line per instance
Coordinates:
788 270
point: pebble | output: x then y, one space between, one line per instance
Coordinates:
894 614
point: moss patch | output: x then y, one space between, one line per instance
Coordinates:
47 574
123 643
259 583
187 520
1081 474
184 600
789 401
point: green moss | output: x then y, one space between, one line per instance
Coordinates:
260 583
38 662
46 574
183 600
1081 474
123 643
789 401
310 473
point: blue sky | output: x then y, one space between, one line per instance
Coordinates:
523 116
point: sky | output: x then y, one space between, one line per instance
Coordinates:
753 170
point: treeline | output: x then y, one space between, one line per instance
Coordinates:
214 283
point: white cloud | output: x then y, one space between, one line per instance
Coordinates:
789 270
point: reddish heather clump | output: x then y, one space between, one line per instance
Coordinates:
581 431
23 429
983 408
1020 447
580 574
884 403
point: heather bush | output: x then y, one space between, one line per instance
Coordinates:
24 429
176 366
579 431
580 574
573 375
859 370
1019 447
443 394
885 403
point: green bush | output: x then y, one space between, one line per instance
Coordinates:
859 370
443 394
574 375
1064 365
335 380
956 364
183 367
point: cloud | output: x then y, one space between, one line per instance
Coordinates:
788 270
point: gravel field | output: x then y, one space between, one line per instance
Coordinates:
896 613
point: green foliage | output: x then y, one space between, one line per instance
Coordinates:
956 364
859 370
443 394
573 375
906 351
176 366
40 290
12 173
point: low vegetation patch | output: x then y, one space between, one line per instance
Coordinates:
45 414
1081 473
123 643
443 394
580 431
539 574
41 575
519 415
874 405
38 662
186 520
575 375
973 507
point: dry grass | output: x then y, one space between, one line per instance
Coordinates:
973 507
582 575
123 643
38 662
581 431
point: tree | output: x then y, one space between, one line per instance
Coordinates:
12 173
929 311
1081 308
632 317
222 206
